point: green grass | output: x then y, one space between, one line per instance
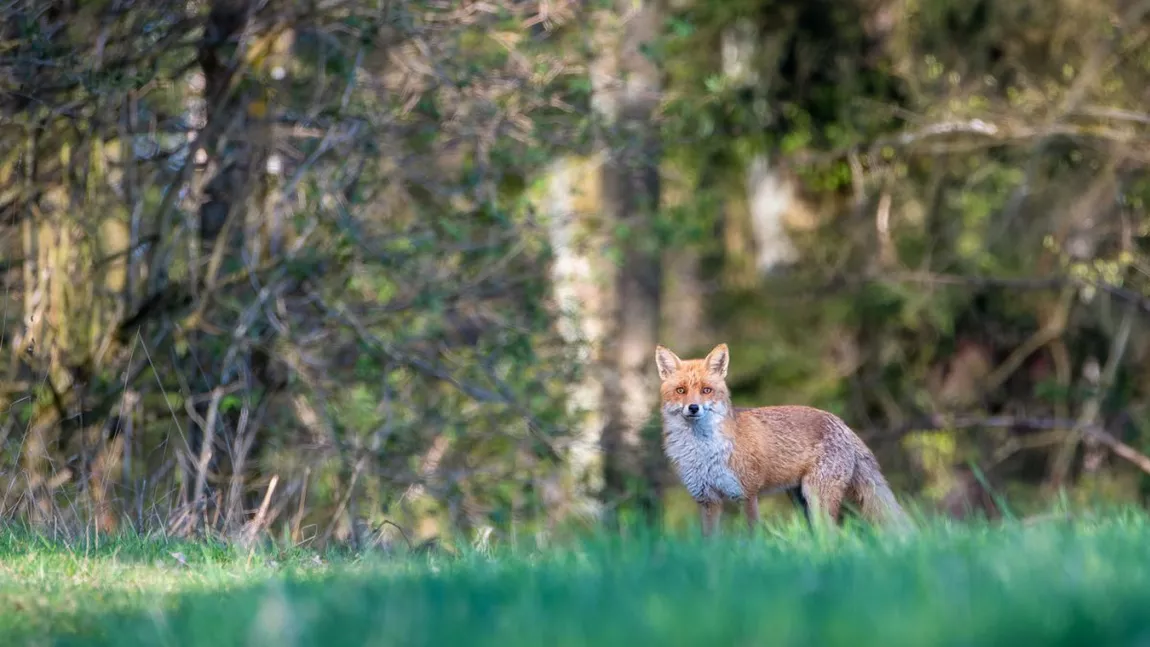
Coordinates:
1053 583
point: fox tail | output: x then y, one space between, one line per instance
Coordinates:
875 498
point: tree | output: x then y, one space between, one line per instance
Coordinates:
627 83
328 306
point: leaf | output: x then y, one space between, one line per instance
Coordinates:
230 402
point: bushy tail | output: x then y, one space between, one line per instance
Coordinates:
875 499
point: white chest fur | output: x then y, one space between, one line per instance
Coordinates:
701 456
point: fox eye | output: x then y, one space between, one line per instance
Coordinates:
680 390
707 389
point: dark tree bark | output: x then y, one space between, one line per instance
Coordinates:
631 196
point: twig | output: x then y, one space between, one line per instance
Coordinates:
342 507
388 522
942 421
1092 406
1020 282
206 441
1054 327
302 506
257 524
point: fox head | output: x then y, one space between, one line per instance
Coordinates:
695 389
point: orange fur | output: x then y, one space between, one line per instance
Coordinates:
722 452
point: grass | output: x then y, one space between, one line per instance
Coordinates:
1054 583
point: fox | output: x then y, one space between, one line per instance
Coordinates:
721 452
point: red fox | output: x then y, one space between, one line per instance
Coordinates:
723 452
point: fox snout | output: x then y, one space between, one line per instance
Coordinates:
694 411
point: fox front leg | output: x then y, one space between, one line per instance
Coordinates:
710 511
751 510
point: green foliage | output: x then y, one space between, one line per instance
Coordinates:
413 317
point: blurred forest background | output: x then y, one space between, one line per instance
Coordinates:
362 271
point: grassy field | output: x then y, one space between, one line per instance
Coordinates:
1052 583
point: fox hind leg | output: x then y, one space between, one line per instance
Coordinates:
824 487
710 512
751 511
796 494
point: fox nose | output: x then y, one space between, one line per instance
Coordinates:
692 409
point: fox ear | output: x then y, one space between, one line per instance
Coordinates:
717 360
667 362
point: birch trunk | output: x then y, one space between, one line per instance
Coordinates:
770 194
582 295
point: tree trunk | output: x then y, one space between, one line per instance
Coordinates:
626 92
238 192
769 193
582 296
